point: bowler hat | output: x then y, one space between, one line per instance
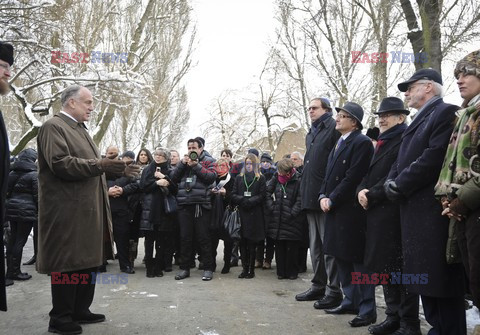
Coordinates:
429 74
392 105
354 110
6 52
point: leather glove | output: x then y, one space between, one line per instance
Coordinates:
392 191
113 166
457 206
132 171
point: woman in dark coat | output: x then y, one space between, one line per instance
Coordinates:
286 226
21 209
249 195
221 195
155 223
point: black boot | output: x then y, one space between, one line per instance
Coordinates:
8 282
251 271
244 273
157 270
149 264
31 261
226 267
16 273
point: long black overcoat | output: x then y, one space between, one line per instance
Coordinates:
424 229
345 222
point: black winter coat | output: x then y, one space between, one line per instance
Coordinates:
4 171
424 229
202 176
345 223
22 203
286 218
318 145
219 203
153 208
383 247
120 205
250 208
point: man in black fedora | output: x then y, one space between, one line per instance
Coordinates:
411 183
383 247
6 61
345 221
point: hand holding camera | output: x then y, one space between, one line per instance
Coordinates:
192 158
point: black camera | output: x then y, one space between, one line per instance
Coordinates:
193 155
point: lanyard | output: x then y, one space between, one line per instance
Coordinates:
245 181
283 188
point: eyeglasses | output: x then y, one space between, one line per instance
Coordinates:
5 66
312 108
342 116
384 116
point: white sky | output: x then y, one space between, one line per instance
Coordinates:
232 46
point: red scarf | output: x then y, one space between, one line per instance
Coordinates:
286 178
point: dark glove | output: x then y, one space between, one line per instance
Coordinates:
392 191
113 166
457 206
132 171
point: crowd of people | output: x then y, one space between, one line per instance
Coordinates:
403 206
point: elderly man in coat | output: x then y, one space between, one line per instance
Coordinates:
345 219
383 247
319 142
6 60
73 210
411 182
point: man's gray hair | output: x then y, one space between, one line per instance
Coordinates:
70 92
437 89
298 154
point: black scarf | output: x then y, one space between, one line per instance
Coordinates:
392 132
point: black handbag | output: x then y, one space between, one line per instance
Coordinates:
232 224
170 204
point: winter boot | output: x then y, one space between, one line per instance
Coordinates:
251 271
244 273
150 265
17 273
157 270
132 252
226 267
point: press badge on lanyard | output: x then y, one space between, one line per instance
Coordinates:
247 193
189 179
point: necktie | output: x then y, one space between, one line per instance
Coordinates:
339 143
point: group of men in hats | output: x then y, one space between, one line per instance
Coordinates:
387 209
391 208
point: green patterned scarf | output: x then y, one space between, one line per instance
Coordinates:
463 143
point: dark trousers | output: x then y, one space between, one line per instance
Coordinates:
160 241
445 315
194 228
267 248
247 253
18 239
401 305
72 300
287 258
227 248
302 258
469 242
359 297
121 235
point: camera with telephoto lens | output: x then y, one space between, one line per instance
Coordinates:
193 155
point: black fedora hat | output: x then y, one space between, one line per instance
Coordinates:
6 52
428 74
392 105
354 109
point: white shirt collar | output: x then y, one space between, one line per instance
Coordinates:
71 117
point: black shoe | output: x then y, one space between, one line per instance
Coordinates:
407 331
362 321
341 310
226 268
386 327
250 275
128 270
68 328
8 282
310 295
89 318
207 275
244 274
31 261
328 302
20 276
182 275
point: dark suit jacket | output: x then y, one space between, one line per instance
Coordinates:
318 145
4 171
345 222
424 229
383 248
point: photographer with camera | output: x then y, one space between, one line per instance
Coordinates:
195 175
